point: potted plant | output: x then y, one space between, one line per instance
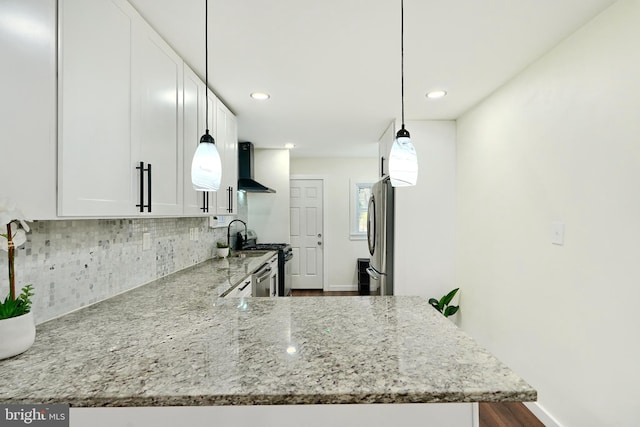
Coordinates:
443 306
222 249
17 327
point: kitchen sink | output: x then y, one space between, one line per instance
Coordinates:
248 254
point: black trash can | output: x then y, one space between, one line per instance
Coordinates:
363 277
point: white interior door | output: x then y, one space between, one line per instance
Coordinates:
307 235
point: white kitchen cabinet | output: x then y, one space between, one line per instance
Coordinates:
384 149
28 106
120 104
226 135
243 289
95 164
157 120
194 108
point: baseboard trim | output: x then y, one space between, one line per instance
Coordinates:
542 414
337 288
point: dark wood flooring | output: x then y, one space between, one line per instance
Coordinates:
503 414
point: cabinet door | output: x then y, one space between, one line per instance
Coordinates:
95 167
194 96
384 149
28 108
157 119
227 140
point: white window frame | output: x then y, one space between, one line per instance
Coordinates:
356 185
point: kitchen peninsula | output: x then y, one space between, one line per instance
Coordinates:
175 342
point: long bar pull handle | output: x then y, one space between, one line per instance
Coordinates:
382 166
230 190
373 274
149 188
140 167
205 201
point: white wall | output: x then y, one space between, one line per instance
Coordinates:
561 142
341 252
268 213
425 214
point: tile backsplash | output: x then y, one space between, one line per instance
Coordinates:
75 263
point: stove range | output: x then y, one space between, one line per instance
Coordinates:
285 254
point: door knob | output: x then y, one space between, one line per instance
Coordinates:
319 243
319 235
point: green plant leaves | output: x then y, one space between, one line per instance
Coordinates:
434 302
451 310
447 298
13 308
443 306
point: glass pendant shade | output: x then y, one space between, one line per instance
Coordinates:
403 161
206 168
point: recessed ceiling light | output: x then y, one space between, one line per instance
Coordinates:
289 145
437 93
260 96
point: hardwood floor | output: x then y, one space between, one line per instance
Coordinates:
321 293
507 414
504 414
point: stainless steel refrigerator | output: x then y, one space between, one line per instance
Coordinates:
380 220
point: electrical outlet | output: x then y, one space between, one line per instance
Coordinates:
191 234
557 233
146 241
195 234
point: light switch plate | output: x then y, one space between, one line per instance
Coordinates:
557 233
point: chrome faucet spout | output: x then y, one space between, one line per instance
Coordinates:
229 232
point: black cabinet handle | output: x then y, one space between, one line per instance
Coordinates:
149 188
142 170
382 166
205 202
230 190
140 205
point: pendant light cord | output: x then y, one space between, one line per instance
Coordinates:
402 56
206 62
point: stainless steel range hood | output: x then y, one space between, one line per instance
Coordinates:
245 171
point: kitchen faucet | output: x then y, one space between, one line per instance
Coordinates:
237 245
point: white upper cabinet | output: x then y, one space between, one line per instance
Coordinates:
28 106
157 121
194 108
120 113
226 132
130 116
95 165
384 149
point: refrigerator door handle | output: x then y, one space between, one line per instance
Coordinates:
373 273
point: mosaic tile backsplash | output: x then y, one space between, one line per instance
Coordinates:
75 263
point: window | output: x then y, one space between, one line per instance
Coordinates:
360 194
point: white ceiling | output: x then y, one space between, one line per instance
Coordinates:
332 67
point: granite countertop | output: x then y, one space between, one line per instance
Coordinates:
174 342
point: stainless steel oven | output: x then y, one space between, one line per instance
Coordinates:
285 254
262 282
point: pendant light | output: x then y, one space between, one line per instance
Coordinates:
206 168
403 160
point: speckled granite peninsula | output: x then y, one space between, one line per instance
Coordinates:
174 342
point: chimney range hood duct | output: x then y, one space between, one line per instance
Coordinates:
245 170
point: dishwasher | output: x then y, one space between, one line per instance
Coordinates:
262 281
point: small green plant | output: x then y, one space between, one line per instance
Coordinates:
443 305
17 307
222 245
